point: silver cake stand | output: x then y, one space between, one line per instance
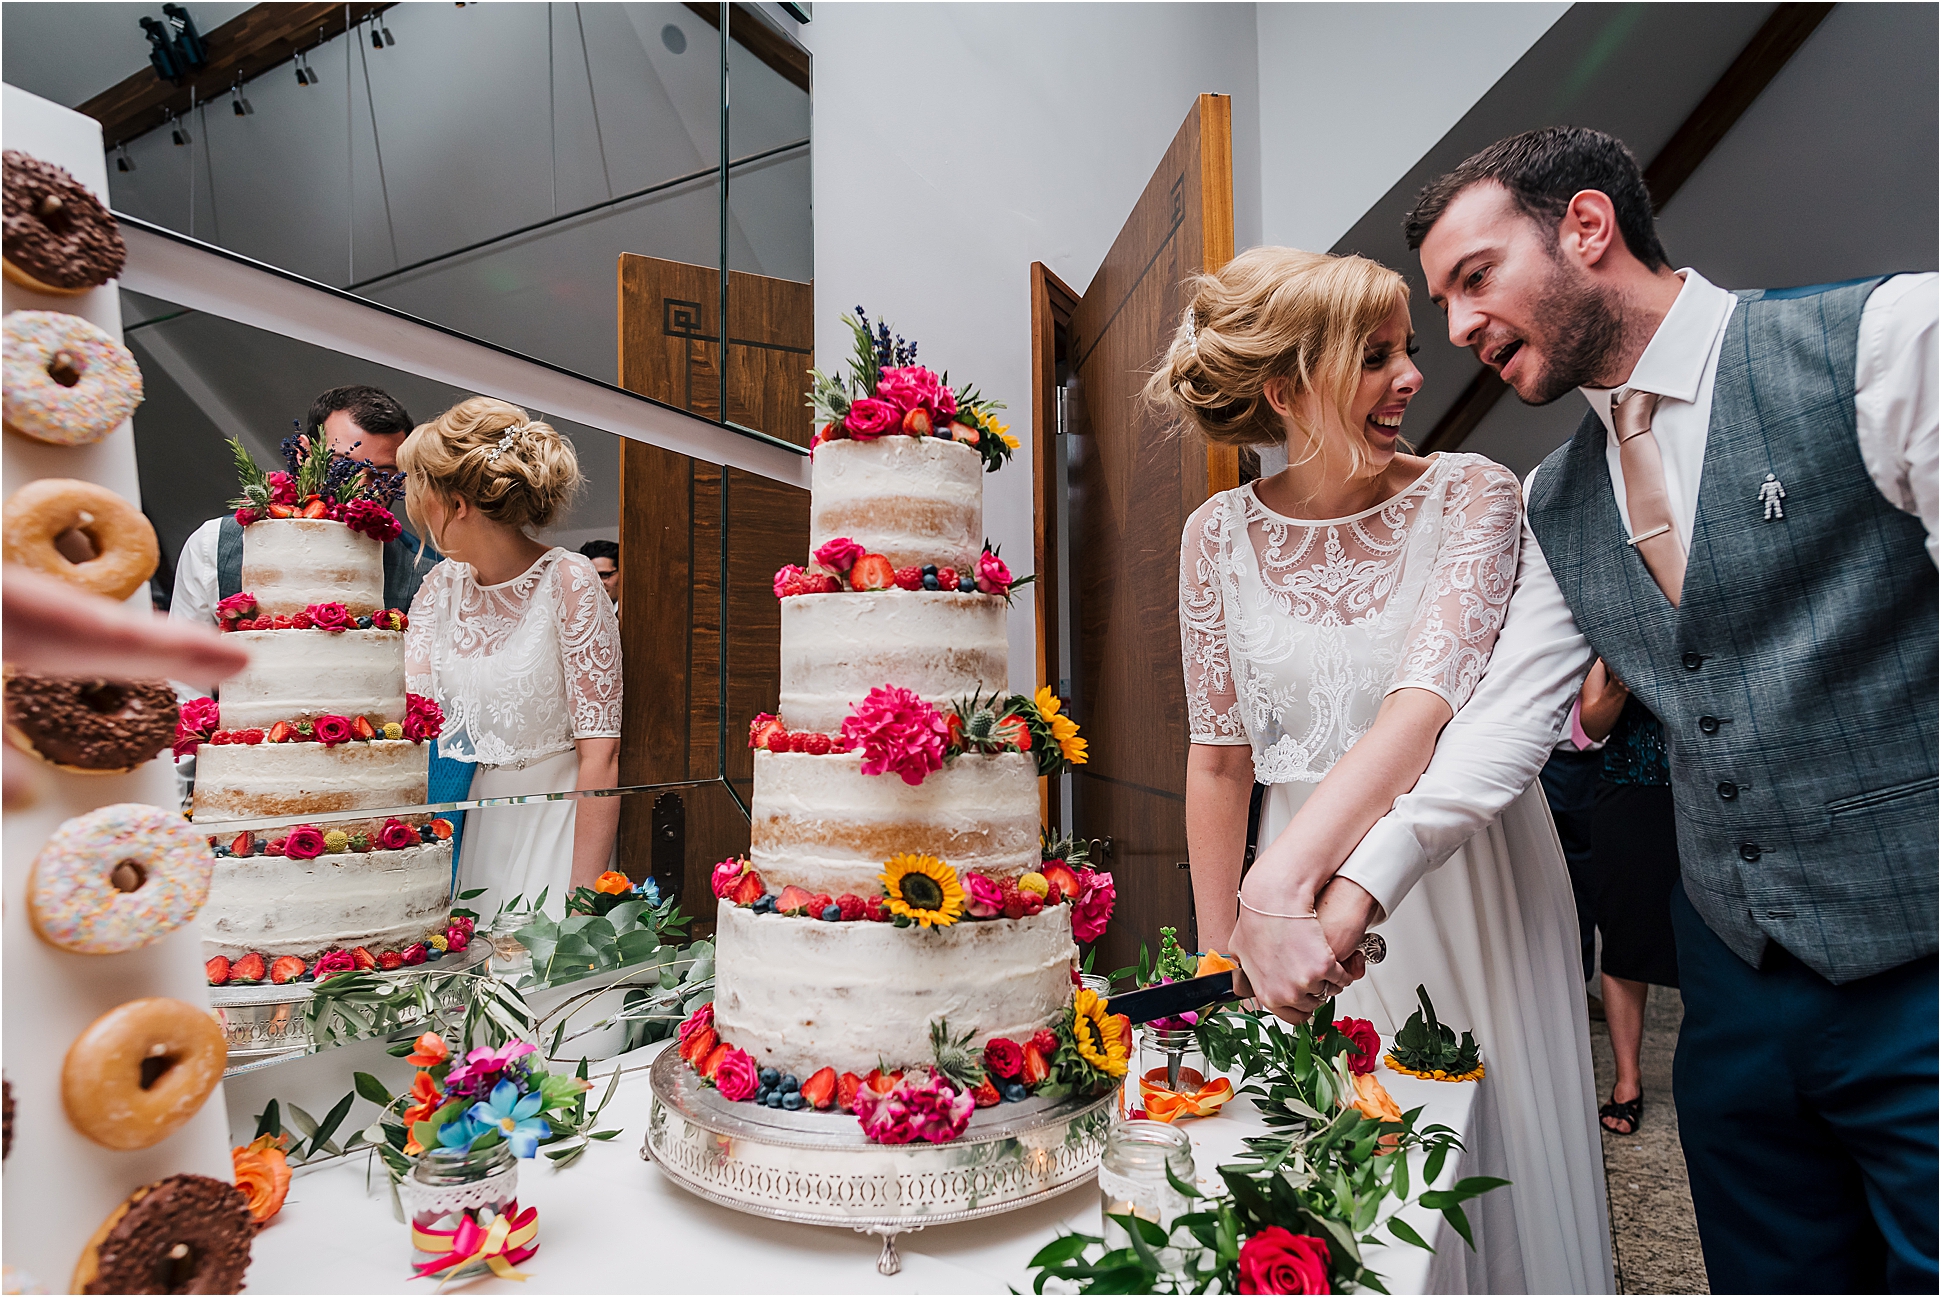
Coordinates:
816 1168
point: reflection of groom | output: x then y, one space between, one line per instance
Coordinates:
1790 653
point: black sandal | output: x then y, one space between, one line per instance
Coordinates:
1631 1112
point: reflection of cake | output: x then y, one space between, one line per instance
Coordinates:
318 723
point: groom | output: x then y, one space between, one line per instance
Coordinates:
1744 528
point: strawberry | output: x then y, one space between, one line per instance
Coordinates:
281 732
880 1081
363 728
698 1046
820 1089
965 433
816 745
954 732
917 423
846 1086
1046 1041
765 730
1063 881
748 889
363 958
250 969
390 959
217 970
820 902
853 907
711 1061
286 969
1035 1067
282 511
947 578
872 572
242 845
793 900
986 1094
1013 730
441 829
909 578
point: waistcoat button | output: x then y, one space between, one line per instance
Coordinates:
1748 851
1708 724
1693 661
1728 790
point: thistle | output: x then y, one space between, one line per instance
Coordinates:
959 1062
980 717
256 488
1076 852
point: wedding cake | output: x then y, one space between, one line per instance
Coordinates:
899 923
318 723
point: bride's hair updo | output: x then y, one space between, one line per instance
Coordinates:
514 470
1272 313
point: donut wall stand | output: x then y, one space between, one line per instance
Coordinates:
57 1185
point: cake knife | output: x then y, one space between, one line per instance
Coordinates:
1190 995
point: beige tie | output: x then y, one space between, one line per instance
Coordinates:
1645 497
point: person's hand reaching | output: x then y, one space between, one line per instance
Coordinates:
1346 912
1289 961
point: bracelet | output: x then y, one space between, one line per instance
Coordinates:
1270 914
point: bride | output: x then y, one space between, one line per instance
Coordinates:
1334 616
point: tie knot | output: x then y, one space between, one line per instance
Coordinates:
1631 413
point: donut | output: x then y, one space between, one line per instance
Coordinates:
40 516
90 727
66 382
6 1109
185 1234
117 879
140 1070
58 238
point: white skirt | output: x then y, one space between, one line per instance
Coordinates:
516 851
1492 934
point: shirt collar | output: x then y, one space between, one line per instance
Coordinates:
1673 363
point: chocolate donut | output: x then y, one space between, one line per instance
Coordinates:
58 238
90 726
185 1234
6 1109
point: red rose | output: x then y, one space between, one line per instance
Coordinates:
1004 1058
1366 1044
416 953
422 719
329 616
870 418
332 730
456 939
332 962
396 837
373 519
305 843
244 517
1275 1261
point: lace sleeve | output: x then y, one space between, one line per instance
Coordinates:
421 632
1212 703
1453 634
589 644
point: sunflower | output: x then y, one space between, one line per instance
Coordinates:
1002 431
923 888
1100 1036
1064 730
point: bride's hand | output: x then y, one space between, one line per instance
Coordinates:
1288 961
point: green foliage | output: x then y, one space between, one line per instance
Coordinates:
255 486
1427 1045
960 1061
360 1004
582 945
1179 965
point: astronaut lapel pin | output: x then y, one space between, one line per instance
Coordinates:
1771 493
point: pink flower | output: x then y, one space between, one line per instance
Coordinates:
236 606
920 1106
870 418
784 574
456 939
423 718
373 519
332 730
839 554
726 875
1277 1261
244 517
283 488
993 577
200 715
329 616
735 1076
482 1067
1093 908
985 899
701 1017
915 387
897 731
416 953
304 843
1366 1042
395 836
332 962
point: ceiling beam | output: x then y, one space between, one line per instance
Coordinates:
788 59
253 42
1769 50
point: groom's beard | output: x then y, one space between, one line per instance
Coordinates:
1588 329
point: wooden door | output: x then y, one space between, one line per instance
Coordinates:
673 516
1132 481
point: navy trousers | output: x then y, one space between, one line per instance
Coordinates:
1808 1115
1570 786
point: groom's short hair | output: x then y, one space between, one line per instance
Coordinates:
1543 170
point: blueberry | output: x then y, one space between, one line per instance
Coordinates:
765 905
832 913
768 1076
363 623
928 569
789 1084
967 585
774 1099
792 1101
1012 1091
761 1095
930 581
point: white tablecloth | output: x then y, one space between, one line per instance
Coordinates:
614 1223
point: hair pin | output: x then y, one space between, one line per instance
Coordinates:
506 439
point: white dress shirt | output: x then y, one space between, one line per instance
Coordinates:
198 587
1495 745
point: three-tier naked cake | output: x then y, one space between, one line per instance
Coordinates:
319 723
900 943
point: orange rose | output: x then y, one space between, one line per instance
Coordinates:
429 1100
263 1174
613 883
1373 1100
429 1050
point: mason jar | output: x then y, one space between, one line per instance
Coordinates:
510 958
448 1184
1169 1062
1132 1178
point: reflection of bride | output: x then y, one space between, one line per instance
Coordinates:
518 644
1333 617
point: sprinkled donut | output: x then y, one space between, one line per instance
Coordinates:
41 515
140 1070
117 879
58 237
66 381
90 727
185 1234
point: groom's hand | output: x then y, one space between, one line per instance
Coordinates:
1346 910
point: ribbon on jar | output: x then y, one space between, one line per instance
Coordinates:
500 1246
1202 1100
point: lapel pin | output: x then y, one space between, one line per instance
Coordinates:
1771 493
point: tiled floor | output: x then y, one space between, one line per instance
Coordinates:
1652 1230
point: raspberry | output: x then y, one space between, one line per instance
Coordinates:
853 907
1033 903
947 577
820 902
1014 902
801 742
876 911
816 745
823 583
1045 1042
909 578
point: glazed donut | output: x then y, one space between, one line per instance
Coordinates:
66 381
140 1070
117 879
185 1234
58 237
40 514
90 727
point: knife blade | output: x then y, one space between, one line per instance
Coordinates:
1188 995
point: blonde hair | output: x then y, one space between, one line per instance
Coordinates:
1272 313
513 470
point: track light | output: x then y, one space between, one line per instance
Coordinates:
177 131
377 38
297 63
188 41
237 104
389 39
123 162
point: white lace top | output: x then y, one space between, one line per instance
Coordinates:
1294 630
522 668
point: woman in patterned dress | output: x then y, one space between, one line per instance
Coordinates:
1333 617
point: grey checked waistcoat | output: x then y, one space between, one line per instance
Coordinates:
1797 677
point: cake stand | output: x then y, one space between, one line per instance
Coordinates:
816 1168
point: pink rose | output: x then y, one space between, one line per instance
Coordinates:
395 836
283 488
986 898
456 939
332 730
236 606
701 1017
1275 1261
897 731
1366 1043
1093 907
423 718
332 962
726 875
735 1076
916 387
304 843
839 554
870 418
993 577
329 616
373 519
